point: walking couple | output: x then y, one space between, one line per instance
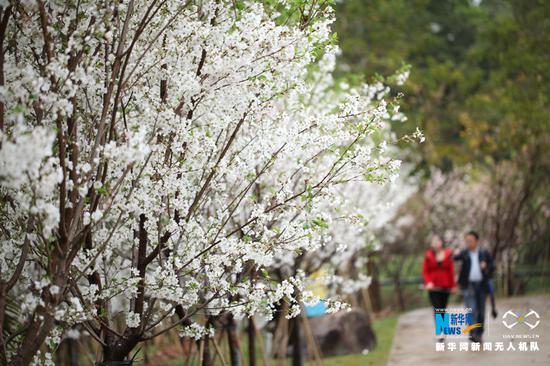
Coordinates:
474 278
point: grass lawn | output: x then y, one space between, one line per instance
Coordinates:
384 330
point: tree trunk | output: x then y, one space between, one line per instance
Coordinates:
399 292
72 351
66 354
509 275
296 342
251 342
206 359
374 288
233 341
119 349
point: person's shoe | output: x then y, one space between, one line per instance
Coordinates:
494 313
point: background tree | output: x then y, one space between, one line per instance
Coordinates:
479 90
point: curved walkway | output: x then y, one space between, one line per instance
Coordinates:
414 342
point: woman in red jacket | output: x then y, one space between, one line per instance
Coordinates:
439 274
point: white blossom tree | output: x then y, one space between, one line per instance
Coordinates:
154 154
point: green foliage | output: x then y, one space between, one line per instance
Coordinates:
480 75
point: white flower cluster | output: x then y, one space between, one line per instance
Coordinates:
196 331
162 156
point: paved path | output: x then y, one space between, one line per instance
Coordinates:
414 342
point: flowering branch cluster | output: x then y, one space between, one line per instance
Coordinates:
156 156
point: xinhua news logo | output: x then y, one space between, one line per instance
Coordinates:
454 323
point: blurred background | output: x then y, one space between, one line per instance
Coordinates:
478 88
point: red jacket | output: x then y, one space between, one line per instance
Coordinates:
442 274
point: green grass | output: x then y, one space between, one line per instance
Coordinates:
384 330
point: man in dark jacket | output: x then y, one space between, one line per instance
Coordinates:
477 268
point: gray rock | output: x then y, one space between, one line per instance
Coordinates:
341 333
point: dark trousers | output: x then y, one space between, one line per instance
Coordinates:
475 296
439 300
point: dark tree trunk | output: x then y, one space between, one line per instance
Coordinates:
296 342
72 352
120 349
206 359
399 293
509 277
251 342
66 353
233 341
374 288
